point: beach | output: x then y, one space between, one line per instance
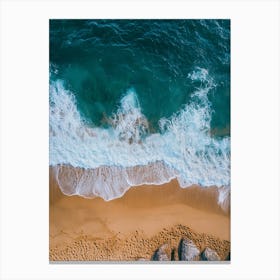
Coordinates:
135 225
139 140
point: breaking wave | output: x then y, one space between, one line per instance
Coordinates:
106 161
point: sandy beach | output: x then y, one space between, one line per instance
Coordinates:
139 140
134 226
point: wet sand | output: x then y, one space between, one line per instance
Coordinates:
135 225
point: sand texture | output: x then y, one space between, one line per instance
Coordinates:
134 226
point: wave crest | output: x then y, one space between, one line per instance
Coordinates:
129 123
125 154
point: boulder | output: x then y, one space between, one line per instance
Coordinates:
210 255
188 251
228 257
163 253
174 254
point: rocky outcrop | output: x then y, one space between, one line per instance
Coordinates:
209 255
188 251
162 254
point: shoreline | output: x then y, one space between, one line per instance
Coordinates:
133 226
65 174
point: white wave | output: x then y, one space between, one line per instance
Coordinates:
183 149
224 198
109 182
129 123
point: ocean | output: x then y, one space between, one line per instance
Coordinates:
135 102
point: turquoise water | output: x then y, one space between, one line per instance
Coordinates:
128 93
100 60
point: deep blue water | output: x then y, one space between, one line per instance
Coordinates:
99 60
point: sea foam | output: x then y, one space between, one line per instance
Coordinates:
108 161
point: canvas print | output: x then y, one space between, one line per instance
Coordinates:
139 140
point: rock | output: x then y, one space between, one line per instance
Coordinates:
210 255
188 250
174 255
228 257
162 254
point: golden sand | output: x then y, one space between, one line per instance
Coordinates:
135 225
